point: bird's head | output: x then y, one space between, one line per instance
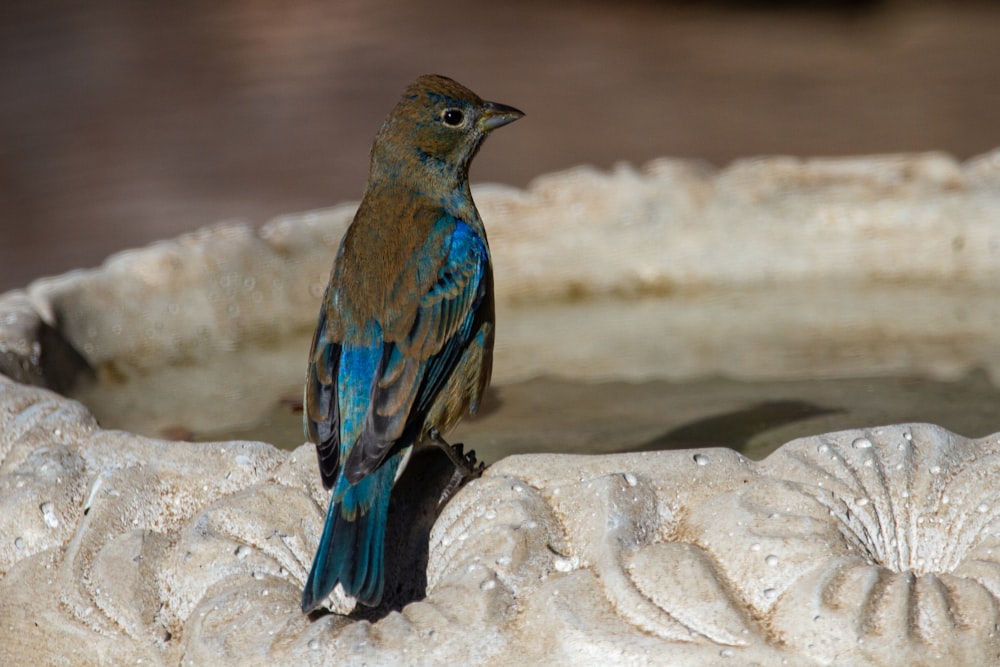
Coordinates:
436 129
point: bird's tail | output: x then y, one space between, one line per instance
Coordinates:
352 548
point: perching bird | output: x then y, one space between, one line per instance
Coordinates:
404 343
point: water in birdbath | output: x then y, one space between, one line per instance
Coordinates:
254 393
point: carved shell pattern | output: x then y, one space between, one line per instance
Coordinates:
860 547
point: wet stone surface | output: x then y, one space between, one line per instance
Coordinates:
567 417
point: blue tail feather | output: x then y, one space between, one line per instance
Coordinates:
352 548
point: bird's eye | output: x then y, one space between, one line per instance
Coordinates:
453 117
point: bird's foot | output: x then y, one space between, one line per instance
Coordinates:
467 467
466 463
471 469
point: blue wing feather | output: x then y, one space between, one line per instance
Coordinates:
321 411
415 367
456 296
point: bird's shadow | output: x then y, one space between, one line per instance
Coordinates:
414 506
738 427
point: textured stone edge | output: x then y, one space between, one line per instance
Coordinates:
131 548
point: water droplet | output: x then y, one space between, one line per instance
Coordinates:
945 499
490 514
982 508
630 479
488 585
771 560
313 644
823 449
700 459
49 515
727 653
754 547
18 543
861 443
242 551
935 470
770 593
908 436
860 502
565 564
503 561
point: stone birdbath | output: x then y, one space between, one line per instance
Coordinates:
724 431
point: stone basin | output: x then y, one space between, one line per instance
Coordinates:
838 320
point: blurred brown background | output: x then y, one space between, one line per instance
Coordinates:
122 122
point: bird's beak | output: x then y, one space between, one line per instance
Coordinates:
498 115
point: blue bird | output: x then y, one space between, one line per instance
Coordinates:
404 343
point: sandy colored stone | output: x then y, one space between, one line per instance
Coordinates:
863 547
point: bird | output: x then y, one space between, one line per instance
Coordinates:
403 346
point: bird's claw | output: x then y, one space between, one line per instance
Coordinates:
469 466
465 463
469 469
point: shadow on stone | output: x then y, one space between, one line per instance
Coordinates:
736 428
413 509
51 361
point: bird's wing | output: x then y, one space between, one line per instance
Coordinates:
419 355
322 413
